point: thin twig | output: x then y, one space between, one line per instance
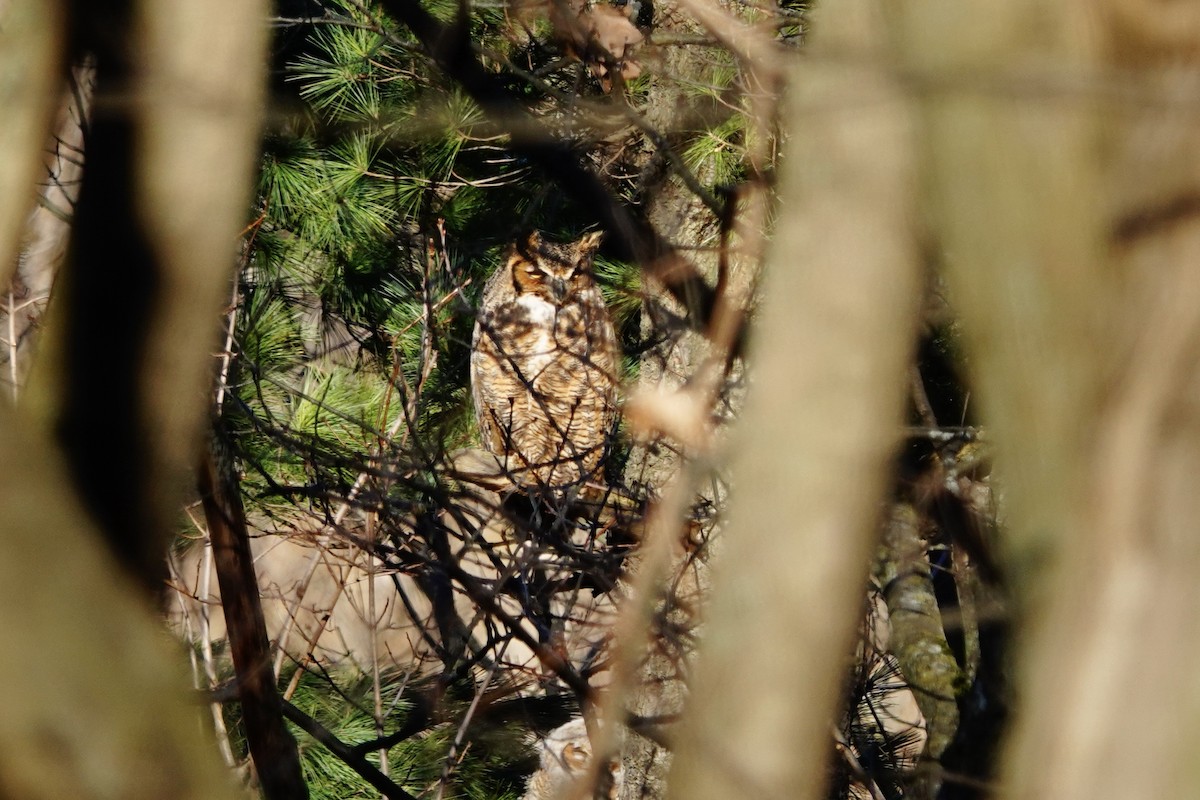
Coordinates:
453 757
231 324
12 346
373 645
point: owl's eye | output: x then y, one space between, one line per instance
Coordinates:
583 266
575 756
528 276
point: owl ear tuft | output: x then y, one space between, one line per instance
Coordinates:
589 243
533 242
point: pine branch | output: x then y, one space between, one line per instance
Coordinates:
387 787
633 238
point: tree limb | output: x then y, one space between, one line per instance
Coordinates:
387 787
271 744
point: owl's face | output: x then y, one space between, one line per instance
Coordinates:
553 272
566 754
571 753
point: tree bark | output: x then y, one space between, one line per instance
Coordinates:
272 747
123 375
679 216
1063 173
820 425
918 635
94 700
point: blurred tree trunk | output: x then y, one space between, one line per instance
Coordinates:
724 235
128 356
1063 173
821 421
92 462
94 697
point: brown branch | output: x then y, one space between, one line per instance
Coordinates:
271 745
918 633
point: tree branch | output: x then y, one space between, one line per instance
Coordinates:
386 786
271 744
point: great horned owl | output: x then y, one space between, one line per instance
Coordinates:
565 755
544 363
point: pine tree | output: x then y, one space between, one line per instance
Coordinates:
386 196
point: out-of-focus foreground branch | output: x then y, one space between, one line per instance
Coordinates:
1071 224
123 378
94 702
818 430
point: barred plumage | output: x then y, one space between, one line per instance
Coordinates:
545 364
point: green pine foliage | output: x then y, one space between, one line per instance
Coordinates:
382 210
484 772
716 153
383 213
622 288
384 203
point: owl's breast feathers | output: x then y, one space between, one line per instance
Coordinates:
544 381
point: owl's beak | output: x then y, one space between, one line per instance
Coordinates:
558 288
